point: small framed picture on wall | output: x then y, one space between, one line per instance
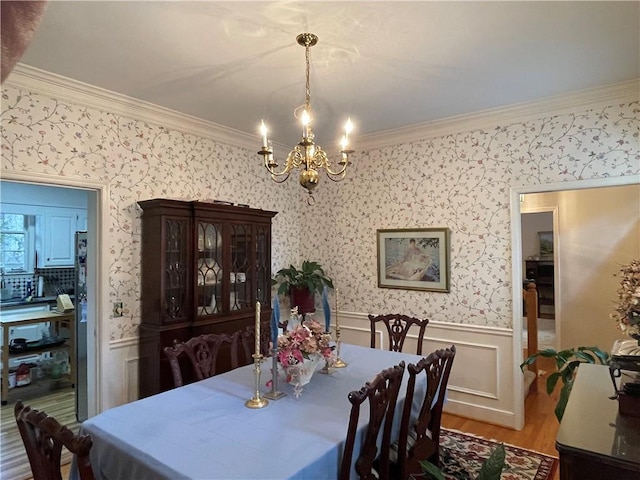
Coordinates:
414 259
545 245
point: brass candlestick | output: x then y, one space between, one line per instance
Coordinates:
257 401
327 369
274 394
339 363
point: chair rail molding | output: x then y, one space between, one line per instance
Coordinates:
479 386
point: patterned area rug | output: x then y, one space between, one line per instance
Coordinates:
462 456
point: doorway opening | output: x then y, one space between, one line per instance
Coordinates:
599 225
539 253
78 400
86 384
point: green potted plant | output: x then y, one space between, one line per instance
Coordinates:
302 284
566 363
491 468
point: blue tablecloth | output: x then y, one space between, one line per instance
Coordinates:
204 431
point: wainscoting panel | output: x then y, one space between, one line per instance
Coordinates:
468 381
480 386
131 376
120 374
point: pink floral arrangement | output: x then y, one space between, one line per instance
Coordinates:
627 313
306 339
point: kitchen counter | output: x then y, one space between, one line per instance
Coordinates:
33 317
8 320
20 302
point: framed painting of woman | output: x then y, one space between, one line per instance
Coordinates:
414 259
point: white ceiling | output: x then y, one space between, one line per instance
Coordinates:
387 65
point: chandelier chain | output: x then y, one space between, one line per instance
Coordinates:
307 103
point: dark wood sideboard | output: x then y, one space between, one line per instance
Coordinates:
594 441
542 273
204 266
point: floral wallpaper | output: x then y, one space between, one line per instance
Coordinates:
459 181
462 182
139 161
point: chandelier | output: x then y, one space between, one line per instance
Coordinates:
306 155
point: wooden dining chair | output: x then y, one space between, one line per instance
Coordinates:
202 353
44 437
244 345
419 438
382 393
397 326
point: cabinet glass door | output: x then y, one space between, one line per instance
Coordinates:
241 277
209 269
263 267
175 285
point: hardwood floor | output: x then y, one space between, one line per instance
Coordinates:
539 433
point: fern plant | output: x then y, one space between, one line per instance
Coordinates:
566 363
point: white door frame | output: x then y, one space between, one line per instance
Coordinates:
97 278
516 270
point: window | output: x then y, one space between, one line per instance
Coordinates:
16 242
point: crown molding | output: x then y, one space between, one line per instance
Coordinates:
64 88
35 80
556 105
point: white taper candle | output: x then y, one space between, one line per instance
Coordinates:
336 292
257 328
263 131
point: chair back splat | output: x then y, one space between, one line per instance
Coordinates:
44 437
397 326
202 353
419 438
382 393
244 347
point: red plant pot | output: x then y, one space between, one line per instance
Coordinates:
303 299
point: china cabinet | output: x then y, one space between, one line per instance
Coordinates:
204 267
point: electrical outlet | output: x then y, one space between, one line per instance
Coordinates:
117 309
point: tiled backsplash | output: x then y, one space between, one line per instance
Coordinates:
56 280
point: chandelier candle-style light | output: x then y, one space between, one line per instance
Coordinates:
306 155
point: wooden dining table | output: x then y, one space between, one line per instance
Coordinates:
204 430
